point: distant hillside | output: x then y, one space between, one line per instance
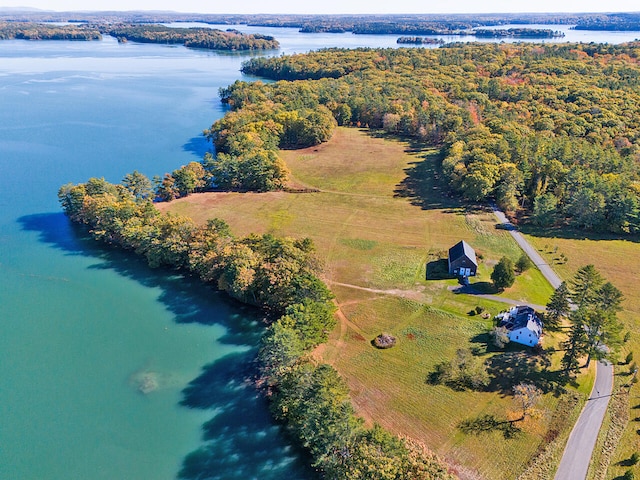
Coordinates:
403 24
20 9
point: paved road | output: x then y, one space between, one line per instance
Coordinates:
582 440
577 453
535 257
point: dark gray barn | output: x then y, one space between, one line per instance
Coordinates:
462 260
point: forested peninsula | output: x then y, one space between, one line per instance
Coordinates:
419 41
612 21
206 38
39 31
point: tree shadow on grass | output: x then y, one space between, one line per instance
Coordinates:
424 186
628 462
515 363
241 440
482 288
511 368
438 270
563 231
489 423
476 288
481 344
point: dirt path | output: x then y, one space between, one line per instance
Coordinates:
330 355
415 294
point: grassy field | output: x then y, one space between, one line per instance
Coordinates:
380 222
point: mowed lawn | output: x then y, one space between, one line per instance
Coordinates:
380 217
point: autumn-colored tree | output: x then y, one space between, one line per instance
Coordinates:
526 395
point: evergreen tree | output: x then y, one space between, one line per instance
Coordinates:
602 333
138 184
585 286
595 328
558 306
573 347
544 209
609 299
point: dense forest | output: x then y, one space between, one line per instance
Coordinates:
279 275
611 21
190 37
37 31
323 22
551 132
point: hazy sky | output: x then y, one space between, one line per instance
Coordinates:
334 6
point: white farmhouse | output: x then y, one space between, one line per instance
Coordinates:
522 324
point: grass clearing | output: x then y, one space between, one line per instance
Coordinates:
378 222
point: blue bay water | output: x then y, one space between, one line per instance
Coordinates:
83 328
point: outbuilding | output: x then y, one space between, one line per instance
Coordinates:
462 260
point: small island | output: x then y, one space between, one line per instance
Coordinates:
518 33
420 41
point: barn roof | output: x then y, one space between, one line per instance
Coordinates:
461 249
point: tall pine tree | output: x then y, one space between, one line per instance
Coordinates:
595 330
558 307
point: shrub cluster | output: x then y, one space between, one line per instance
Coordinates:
464 372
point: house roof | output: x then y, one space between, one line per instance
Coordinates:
521 316
461 249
